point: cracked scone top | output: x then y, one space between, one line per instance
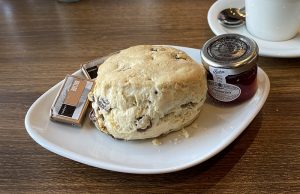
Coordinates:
146 91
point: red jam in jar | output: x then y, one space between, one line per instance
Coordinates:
231 64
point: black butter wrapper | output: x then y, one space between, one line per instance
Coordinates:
90 69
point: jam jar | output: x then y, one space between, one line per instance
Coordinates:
231 64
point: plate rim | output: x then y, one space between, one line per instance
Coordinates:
264 53
125 169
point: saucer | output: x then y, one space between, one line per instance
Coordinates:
283 49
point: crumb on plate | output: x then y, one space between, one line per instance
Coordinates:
156 142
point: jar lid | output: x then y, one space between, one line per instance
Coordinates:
229 51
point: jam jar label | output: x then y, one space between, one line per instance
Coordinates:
218 87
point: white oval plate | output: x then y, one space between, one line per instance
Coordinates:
216 127
285 49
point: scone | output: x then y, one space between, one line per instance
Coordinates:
146 91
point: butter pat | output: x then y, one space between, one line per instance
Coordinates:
71 102
90 69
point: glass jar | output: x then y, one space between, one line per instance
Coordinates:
231 64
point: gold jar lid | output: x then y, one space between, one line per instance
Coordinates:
229 51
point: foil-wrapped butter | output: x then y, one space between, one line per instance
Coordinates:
72 101
90 69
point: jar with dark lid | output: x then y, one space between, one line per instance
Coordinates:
231 64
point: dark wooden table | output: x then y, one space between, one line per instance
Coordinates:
42 41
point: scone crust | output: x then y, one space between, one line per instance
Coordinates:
146 91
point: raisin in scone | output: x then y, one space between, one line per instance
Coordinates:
146 91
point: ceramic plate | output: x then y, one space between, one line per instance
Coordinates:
286 49
216 127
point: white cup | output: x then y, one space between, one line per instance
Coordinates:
274 20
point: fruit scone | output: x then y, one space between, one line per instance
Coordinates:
146 91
